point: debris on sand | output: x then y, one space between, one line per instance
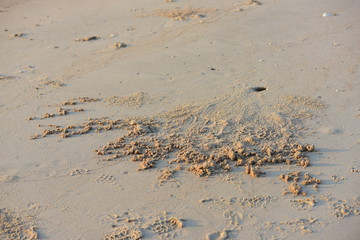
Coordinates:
119 45
18 35
87 39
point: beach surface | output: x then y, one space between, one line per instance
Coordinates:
179 119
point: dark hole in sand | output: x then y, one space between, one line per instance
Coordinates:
258 89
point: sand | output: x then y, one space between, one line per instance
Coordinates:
179 119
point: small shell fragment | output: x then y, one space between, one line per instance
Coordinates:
328 14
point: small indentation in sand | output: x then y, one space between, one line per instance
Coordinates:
106 179
217 235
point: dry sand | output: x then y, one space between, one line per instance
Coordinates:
175 119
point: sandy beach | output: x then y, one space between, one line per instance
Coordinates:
179 119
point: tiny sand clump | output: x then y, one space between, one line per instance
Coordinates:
86 39
119 45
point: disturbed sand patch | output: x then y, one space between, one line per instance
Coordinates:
212 138
60 112
135 100
296 182
260 201
52 83
303 225
191 136
209 138
16 227
342 208
182 14
96 125
302 204
132 226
